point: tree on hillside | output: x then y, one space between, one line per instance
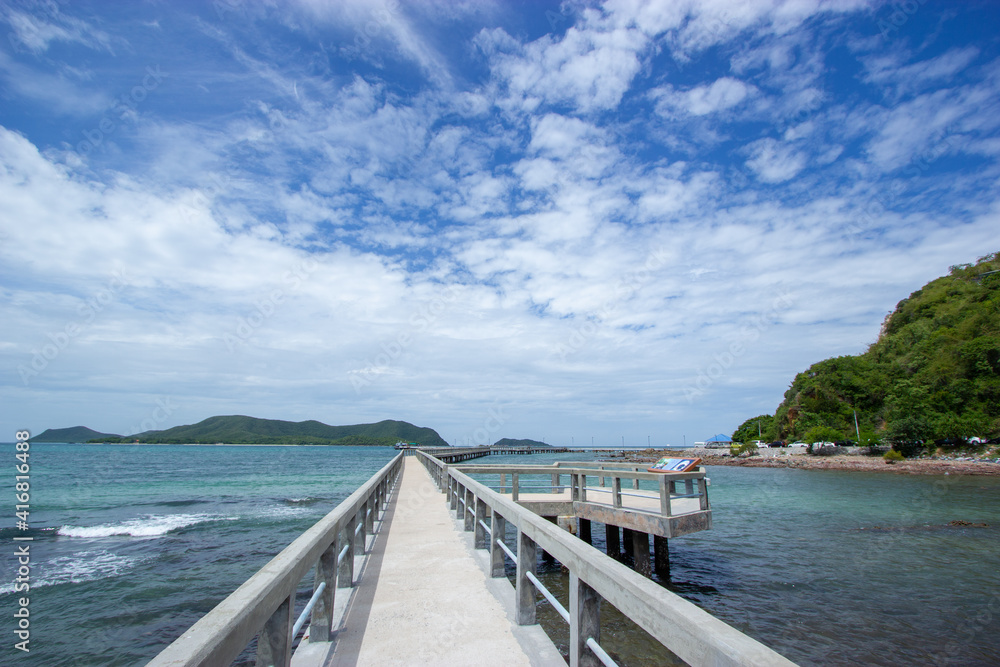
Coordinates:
760 427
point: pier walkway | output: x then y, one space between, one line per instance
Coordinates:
423 598
398 580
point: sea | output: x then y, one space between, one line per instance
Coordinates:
133 543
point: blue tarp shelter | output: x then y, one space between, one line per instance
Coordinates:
719 438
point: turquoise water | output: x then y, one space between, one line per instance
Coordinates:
134 543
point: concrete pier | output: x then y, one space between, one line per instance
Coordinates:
425 595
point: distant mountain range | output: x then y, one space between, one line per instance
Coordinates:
510 442
238 429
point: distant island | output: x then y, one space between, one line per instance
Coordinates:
931 379
72 434
242 430
510 442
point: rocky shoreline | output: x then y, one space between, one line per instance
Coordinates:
776 458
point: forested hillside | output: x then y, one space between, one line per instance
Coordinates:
932 375
239 429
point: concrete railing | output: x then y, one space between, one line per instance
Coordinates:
688 631
264 605
695 483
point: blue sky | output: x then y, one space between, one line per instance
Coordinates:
565 221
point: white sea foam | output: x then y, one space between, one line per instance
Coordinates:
78 568
145 526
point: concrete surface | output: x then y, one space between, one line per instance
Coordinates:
424 598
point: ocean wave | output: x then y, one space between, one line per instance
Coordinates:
308 500
146 526
78 568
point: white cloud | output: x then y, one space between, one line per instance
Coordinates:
721 95
775 162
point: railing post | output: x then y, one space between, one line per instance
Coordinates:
498 530
635 483
526 562
503 482
360 536
371 512
584 622
555 482
274 644
583 488
703 493
513 486
322 613
664 496
452 492
345 575
689 486
616 491
469 511
480 519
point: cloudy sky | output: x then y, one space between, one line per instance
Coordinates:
632 220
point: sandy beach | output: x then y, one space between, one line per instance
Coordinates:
784 458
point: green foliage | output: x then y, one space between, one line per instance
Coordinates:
892 456
933 373
738 448
822 434
760 427
511 442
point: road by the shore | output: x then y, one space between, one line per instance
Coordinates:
783 458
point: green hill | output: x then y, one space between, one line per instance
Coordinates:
932 375
74 434
238 429
510 442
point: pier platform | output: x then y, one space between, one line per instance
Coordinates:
425 597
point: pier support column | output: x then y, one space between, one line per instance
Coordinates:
584 622
527 561
661 556
640 552
322 613
583 532
498 531
274 645
613 540
345 575
628 541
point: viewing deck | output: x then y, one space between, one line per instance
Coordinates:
398 580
